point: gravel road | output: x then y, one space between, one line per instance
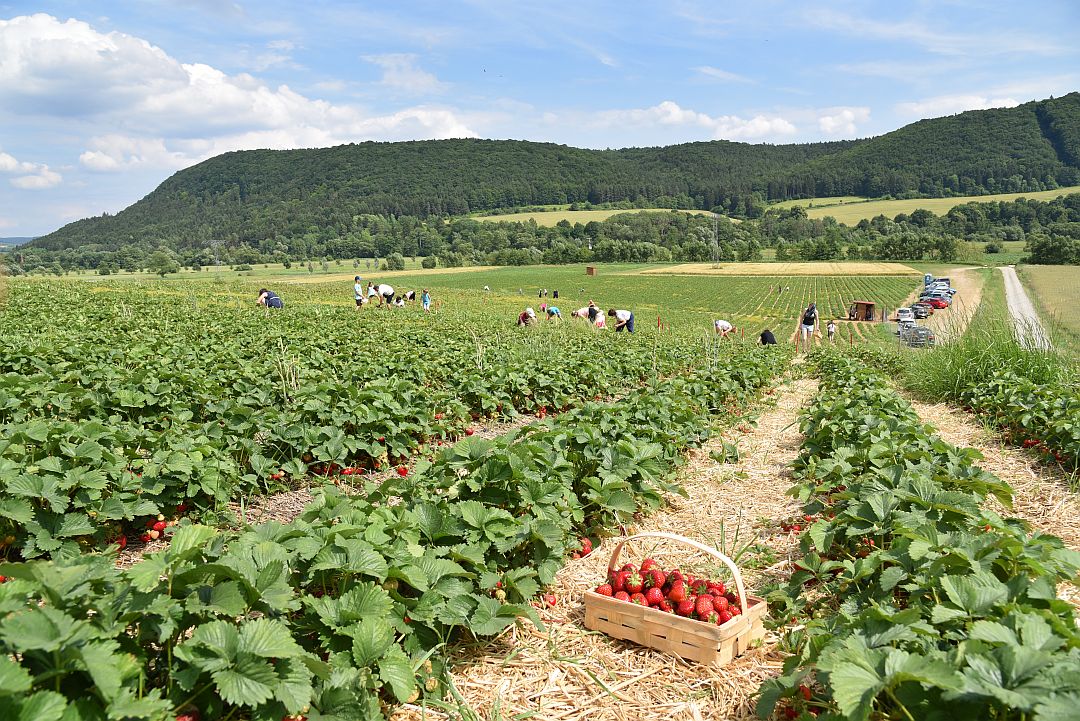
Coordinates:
1029 329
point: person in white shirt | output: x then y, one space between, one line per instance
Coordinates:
386 293
582 313
624 320
358 291
722 328
831 330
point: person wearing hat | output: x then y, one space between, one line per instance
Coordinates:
527 317
809 322
269 299
359 292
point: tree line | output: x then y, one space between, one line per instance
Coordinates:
1051 230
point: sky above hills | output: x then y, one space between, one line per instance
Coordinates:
100 101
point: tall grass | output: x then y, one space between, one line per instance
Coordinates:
988 347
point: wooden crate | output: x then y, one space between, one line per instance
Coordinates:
687 638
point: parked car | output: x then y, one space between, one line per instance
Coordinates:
903 325
937 303
917 336
905 314
922 310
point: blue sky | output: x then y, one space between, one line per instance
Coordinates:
101 101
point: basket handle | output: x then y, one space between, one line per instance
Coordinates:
689 542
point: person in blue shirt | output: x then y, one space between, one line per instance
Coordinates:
269 299
425 300
553 312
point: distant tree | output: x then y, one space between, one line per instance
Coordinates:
992 247
428 262
394 261
162 262
287 263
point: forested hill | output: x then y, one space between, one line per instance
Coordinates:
264 197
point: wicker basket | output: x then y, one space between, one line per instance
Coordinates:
685 637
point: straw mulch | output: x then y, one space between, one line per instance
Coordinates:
1042 495
567 673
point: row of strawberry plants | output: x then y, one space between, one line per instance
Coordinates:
1041 416
912 600
102 424
342 613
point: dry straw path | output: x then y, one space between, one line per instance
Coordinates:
567 673
1042 495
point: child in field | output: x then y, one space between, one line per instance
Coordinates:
624 320
831 330
425 300
358 292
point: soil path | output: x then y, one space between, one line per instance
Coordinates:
1042 496
1029 329
569 674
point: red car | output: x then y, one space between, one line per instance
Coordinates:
937 303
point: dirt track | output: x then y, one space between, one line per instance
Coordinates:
1029 329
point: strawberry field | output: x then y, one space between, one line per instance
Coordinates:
128 412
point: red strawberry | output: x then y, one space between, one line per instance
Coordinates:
734 610
549 599
586 545
677 592
634 582
468 432
713 618
805 691
654 596
605 589
629 567
619 581
145 538
665 606
160 526
3 579
122 542
703 606
648 564
720 604
438 416
655 578
190 715
725 616
684 608
639 599
402 471
674 576
622 596
699 587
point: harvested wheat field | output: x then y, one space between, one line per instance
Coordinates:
568 673
1042 496
784 269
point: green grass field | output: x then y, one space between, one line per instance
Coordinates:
851 209
552 217
1055 290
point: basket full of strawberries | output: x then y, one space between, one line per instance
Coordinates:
695 618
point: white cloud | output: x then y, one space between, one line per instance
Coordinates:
932 38
951 104
718 74
167 114
842 120
32 176
401 72
669 113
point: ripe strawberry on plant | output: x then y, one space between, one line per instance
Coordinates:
402 471
189 715
622 596
654 596
604 589
634 582
468 432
